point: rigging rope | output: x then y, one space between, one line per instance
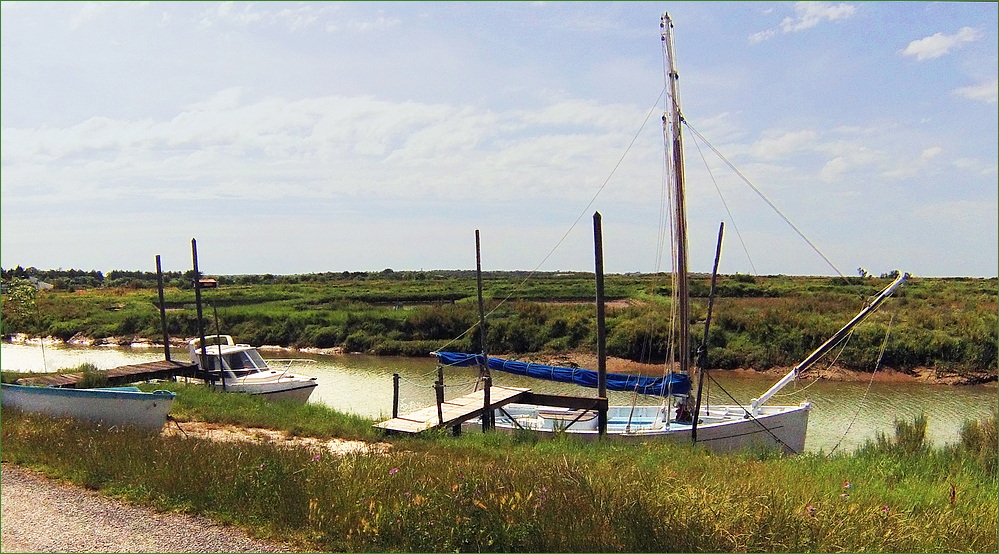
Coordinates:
571 227
818 374
724 203
763 196
877 365
752 417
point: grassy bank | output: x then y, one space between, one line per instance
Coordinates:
515 493
759 322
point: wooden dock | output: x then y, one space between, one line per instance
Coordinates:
454 411
118 376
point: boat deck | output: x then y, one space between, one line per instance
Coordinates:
454 411
161 369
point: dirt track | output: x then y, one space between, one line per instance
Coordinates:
41 515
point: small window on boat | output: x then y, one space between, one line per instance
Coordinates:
238 361
256 360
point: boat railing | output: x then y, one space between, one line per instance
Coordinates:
286 363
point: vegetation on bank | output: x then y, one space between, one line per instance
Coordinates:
509 493
759 322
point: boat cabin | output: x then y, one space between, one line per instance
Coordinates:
222 354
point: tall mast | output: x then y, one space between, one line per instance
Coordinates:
674 119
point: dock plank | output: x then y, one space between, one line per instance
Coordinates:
454 411
122 375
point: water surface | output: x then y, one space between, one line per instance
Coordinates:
844 414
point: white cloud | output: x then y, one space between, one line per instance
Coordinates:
245 15
786 143
810 14
762 36
228 11
89 12
327 146
975 166
380 23
985 92
907 166
930 153
807 15
940 44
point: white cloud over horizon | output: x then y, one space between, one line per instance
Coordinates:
366 136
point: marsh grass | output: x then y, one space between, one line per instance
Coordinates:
514 493
762 322
92 376
201 403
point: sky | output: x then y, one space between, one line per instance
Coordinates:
311 137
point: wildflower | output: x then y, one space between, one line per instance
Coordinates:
317 457
847 485
844 496
810 510
407 494
393 471
261 465
884 509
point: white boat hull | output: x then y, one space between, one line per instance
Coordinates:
122 406
721 429
232 367
294 389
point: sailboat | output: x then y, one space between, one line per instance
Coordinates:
721 428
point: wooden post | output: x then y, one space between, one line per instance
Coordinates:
439 389
201 320
395 395
163 322
598 248
487 412
702 352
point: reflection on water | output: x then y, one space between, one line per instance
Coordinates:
847 414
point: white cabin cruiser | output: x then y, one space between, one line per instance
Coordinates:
240 368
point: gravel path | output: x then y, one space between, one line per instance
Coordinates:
40 515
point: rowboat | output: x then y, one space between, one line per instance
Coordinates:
118 406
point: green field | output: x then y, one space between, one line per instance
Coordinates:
759 322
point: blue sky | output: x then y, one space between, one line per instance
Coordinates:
310 137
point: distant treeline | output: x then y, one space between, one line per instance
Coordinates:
758 322
76 279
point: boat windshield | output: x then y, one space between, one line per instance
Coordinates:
239 363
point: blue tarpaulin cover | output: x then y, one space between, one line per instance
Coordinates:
674 383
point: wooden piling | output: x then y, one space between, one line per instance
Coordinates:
598 248
395 395
163 321
439 389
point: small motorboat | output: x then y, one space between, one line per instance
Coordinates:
240 368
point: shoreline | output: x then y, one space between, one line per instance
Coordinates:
919 375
